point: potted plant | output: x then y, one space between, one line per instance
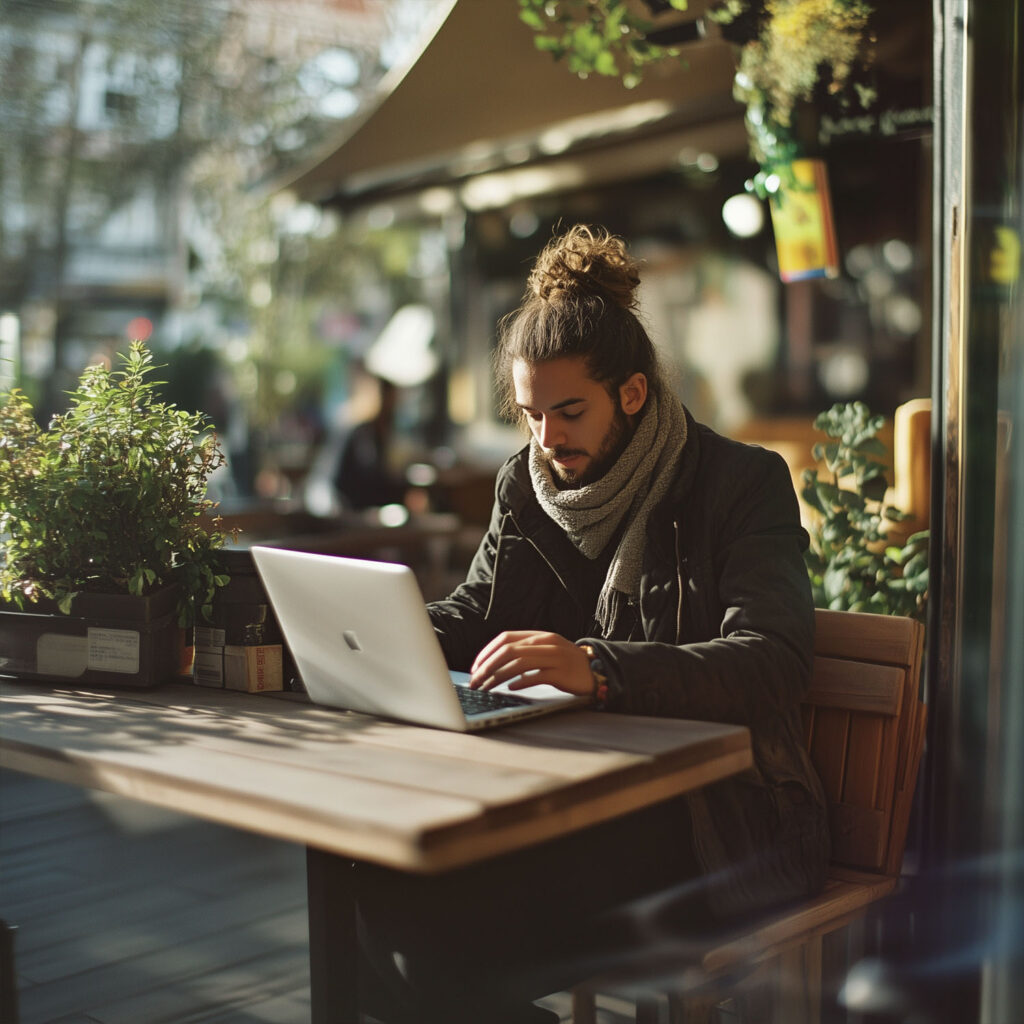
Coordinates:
107 550
851 562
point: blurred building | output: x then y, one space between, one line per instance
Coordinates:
105 106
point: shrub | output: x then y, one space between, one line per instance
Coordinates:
851 564
111 497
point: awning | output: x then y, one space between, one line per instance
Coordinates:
480 98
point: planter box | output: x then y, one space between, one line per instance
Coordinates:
107 640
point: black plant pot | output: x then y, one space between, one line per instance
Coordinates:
108 640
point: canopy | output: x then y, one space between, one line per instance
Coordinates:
481 98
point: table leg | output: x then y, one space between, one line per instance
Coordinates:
333 943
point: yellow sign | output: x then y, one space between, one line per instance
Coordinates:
805 235
1004 259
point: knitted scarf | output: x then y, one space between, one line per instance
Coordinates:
591 515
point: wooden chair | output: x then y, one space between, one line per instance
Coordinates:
864 729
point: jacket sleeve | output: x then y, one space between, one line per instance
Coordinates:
459 620
756 660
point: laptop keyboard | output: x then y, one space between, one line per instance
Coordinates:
475 702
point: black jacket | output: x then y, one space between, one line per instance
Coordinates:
727 636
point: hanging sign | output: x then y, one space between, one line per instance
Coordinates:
805 234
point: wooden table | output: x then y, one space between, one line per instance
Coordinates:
353 788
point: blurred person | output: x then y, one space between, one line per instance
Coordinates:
637 557
364 477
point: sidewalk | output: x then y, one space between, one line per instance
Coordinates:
128 914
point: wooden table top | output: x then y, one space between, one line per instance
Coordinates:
401 795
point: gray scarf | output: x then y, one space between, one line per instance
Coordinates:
628 492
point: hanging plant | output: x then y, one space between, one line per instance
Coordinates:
789 50
604 37
793 52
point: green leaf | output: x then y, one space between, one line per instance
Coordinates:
835 582
917 566
605 64
680 5
919 582
867 443
532 18
828 494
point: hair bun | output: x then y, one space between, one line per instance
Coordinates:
585 260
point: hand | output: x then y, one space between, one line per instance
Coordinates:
547 657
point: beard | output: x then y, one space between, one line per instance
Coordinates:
612 446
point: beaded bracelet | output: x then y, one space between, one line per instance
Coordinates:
600 674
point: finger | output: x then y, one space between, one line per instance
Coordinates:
502 646
555 670
501 640
499 673
527 648
532 678
488 653
533 662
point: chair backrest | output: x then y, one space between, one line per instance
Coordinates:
864 729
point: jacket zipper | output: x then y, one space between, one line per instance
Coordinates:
679 584
494 573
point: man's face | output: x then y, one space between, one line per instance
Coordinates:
581 430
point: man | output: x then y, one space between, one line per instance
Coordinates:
637 557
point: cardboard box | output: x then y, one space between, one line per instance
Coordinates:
255 669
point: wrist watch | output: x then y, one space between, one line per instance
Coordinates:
600 674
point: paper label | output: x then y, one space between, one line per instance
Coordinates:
209 636
114 650
208 668
61 655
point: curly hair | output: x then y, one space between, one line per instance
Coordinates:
580 302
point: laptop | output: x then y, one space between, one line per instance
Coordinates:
362 640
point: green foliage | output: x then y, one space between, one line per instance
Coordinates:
787 50
851 565
801 47
601 37
110 497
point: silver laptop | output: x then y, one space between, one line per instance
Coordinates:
362 640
